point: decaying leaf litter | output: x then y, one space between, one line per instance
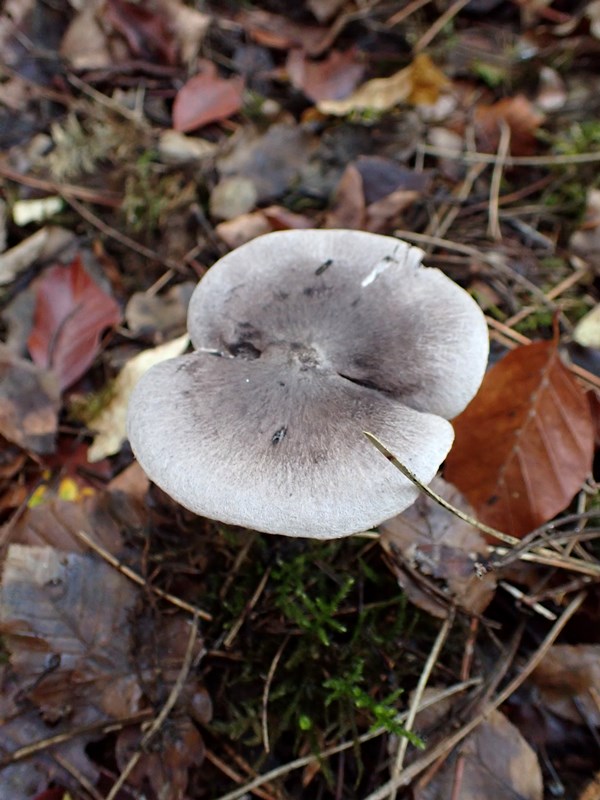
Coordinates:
140 143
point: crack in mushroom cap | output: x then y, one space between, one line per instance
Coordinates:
305 339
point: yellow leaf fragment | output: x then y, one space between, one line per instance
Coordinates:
418 84
110 422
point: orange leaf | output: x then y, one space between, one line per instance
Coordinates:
525 444
206 98
70 314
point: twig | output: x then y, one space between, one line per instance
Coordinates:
527 601
115 234
65 190
133 576
418 695
439 24
298 763
228 641
539 555
266 690
406 12
44 744
502 537
503 149
231 773
451 741
164 712
473 157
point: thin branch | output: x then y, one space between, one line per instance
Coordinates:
164 712
133 576
418 695
451 741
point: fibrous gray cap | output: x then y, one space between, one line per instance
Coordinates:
305 339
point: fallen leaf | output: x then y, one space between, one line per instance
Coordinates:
348 205
587 330
21 726
76 664
236 232
282 33
164 314
110 423
418 84
522 118
439 560
272 161
525 444
205 98
497 763
332 78
568 682
29 403
586 241
147 32
71 313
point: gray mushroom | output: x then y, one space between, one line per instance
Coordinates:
305 339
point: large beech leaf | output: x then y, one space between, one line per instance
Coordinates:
525 444
65 620
70 314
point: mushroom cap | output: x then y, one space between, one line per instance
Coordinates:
305 339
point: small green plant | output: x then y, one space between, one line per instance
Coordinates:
313 615
349 689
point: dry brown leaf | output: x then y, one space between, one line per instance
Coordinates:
348 207
522 118
163 314
568 682
73 651
419 84
439 559
497 764
29 403
524 446
332 78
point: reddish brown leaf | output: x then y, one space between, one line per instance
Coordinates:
147 33
206 98
348 209
521 117
333 78
524 445
71 313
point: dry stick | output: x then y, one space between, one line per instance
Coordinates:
405 13
231 773
267 689
439 24
78 775
228 641
298 763
540 555
553 294
448 744
473 157
441 228
164 712
66 190
108 102
133 576
44 744
494 211
418 695
113 233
